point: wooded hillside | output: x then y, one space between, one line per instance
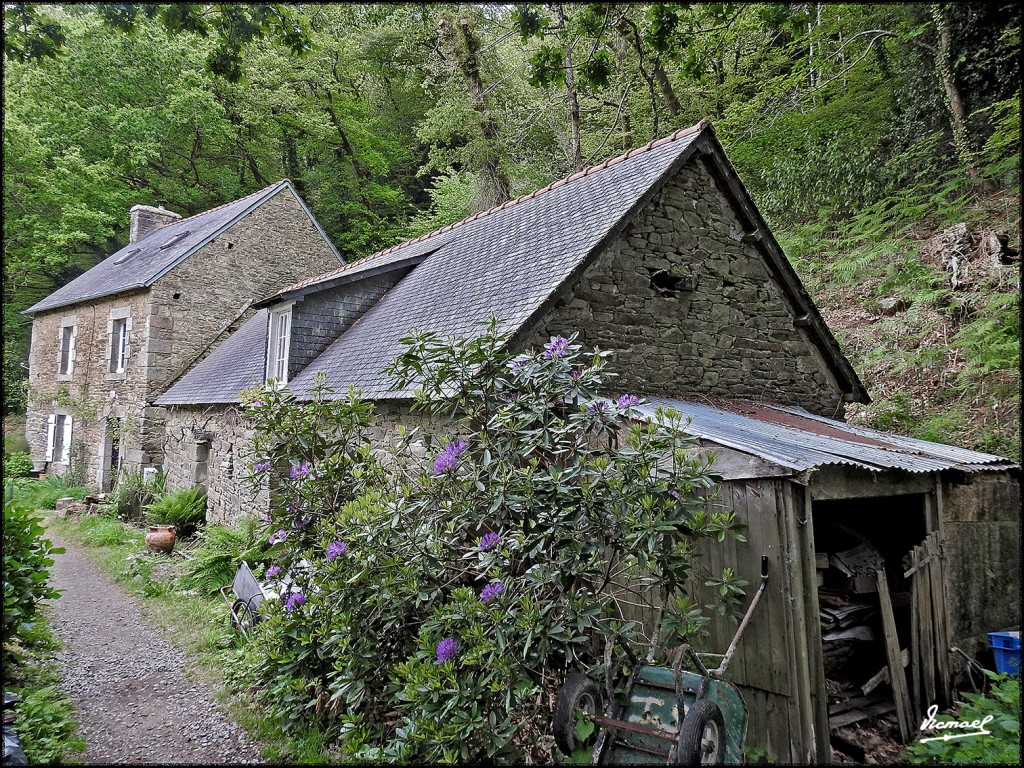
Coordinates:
882 143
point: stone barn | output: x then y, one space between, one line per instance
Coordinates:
661 256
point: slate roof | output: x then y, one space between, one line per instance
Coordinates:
239 363
140 264
507 261
799 440
513 261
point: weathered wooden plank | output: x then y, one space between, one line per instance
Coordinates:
862 714
798 552
892 651
940 623
916 630
927 639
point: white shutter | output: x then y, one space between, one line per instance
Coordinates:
66 452
71 352
127 342
51 422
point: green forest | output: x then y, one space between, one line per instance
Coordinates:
881 142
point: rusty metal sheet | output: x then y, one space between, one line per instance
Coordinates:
817 441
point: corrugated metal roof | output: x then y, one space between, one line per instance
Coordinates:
794 438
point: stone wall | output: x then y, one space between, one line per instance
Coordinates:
690 309
226 461
91 393
192 305
321 318
981 521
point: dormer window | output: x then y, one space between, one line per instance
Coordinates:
277 344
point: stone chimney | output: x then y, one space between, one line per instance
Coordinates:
147 219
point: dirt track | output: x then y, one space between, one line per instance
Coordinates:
134 700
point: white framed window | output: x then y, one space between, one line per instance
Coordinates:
277 344
66 361
119 329
58 437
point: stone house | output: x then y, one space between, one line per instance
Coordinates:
108 343
661 256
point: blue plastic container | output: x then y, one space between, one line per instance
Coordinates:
1006 649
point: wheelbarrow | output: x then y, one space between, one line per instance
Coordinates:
677 716
248 594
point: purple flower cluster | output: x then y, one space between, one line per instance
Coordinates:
576 373
518 364
627 401
446 650
598 406
295 600
299 472
302 522
273 570
257 403
278 536
488 540
557 347
261 466
336 548
491 591
449 457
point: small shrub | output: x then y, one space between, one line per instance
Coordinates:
184 509
17 464
132 494
27 558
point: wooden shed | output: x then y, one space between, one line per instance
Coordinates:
832 505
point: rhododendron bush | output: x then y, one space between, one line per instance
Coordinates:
430 605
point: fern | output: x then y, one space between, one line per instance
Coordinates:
220 551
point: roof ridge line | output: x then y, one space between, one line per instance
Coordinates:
231 202
654 143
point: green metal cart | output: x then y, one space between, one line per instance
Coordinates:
641 721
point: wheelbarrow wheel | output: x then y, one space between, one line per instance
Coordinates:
577 692
701 737
243 616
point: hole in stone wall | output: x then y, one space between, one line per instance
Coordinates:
177 295
665 283
230 245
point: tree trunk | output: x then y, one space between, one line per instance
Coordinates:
954 101
671 100
571 100
497 182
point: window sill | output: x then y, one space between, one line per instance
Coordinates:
116 376
65 376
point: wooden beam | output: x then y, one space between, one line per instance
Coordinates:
862 714
894 655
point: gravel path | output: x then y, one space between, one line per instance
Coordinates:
134 701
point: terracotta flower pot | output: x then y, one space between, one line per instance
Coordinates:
161 538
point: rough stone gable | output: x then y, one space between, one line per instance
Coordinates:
690 309
193 304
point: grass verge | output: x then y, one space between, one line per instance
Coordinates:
197 624
45 723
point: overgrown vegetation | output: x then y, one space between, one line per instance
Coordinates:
44 721
493 566
27 558
998 712
43 494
